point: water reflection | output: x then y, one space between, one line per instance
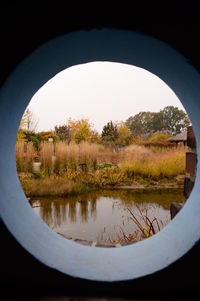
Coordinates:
98 214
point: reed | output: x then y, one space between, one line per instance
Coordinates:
99 165
24 154
46 156
48 186
61 157
156 165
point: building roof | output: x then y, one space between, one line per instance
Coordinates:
179 137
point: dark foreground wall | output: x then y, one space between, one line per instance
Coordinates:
24 27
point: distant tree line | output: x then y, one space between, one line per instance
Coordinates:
170 121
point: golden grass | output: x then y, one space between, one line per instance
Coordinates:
87 157
61 155
155 165
52 186
46 153
47 187
24 154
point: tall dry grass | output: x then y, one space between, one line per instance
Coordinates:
61 157
72 156
47 187
24 154
132 161
138 161
46 153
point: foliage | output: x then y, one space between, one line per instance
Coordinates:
30 136
109 133
140 123
105 165
172 119
79 188
79 130
124 134
20 135
95 137
45 135
159 136
169 119
63 132
82 131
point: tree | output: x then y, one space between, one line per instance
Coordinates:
173 119
82 131
95 137
169 119
124 134
45 135
28 121
109 133
140 123
79 130
62 132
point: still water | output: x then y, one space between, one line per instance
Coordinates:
104 215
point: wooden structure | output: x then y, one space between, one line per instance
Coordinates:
179 138
191 162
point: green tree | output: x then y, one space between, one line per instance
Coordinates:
170 119
63 132
33 137
140 123
45 135
109 133
173 119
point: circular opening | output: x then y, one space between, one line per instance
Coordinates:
101 264
101 154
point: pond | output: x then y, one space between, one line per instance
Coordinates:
107 216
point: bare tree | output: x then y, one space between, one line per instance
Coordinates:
28 121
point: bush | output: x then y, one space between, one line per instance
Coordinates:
159 137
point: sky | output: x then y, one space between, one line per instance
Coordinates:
99 91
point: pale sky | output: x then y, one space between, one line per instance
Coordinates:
99 91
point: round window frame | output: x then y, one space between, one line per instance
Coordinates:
100 264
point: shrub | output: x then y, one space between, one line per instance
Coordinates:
159 137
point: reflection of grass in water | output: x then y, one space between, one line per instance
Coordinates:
161 197
56 212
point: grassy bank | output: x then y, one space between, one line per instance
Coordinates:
77 168
52 186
